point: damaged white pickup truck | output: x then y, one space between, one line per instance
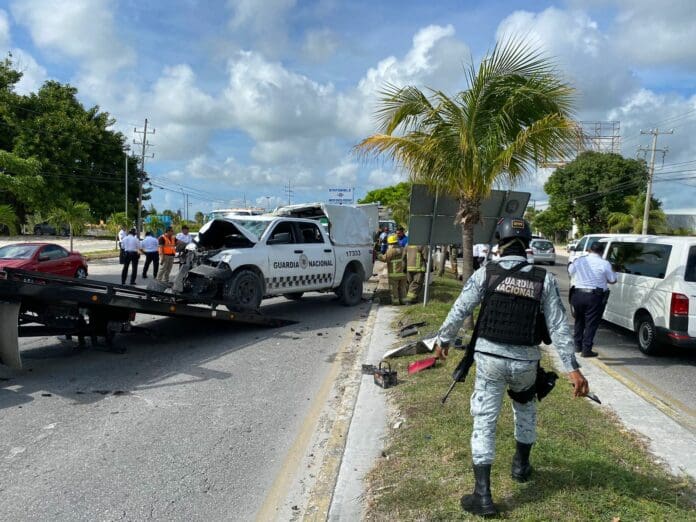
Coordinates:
240 260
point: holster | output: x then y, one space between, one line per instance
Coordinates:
544 383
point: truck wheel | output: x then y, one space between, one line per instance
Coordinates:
81 273
646 335
244 291
351 289
295 296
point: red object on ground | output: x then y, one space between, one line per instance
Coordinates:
417 366
43 257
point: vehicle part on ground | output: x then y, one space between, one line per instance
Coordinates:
243 291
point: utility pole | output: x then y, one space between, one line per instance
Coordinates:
651 172
289 191
126 148
145 143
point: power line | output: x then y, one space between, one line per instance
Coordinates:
648 189
145 144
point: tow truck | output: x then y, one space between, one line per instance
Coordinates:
35 304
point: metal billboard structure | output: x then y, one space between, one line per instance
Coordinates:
432 220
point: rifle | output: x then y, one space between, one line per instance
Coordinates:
462 369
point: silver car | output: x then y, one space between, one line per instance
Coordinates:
543 251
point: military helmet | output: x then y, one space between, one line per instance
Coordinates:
392 239
509 228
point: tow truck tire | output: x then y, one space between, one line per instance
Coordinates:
244 291
351 289
294 296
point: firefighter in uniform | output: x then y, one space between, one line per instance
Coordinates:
393 257
415 258
507 353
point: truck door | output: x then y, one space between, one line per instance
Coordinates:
317 256
284 259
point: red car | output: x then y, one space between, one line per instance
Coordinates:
43 257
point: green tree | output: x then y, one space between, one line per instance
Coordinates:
199 218
514 114
631 220
395 197
75 214
8 219
117 220
552 224
593 186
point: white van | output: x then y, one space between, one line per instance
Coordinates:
582 246
655 292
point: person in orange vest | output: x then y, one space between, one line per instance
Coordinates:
167 251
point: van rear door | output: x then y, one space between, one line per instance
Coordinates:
690 288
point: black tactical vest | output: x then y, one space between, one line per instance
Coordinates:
511 312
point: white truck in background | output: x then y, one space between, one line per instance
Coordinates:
239 260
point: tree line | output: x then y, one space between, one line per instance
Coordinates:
54 152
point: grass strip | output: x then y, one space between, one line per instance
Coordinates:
586 465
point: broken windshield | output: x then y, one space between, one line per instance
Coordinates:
255 227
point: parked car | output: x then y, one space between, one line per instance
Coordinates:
543 251
583 245
655 292
46 229
43 257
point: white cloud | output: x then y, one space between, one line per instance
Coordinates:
33 74
82 30
435 60
4 32
265 22
657 33
270 202
319 45
584 53
378 178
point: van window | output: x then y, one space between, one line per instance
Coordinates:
690 274
640 259
580 247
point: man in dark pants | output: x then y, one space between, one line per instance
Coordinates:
150 246
130 245
591 274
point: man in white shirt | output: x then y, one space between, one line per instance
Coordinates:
184 236
591 276
131 246
150 247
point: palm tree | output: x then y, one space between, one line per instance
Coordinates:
75 214
514 114
8 219
632 220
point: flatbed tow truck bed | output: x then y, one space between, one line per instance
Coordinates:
35 304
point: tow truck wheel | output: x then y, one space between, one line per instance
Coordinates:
243 291
294 296
351 289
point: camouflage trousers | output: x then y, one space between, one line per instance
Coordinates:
493 376
397 287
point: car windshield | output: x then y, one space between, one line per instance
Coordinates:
255 227
17 251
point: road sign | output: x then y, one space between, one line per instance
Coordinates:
341 196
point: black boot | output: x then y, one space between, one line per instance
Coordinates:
521 468
480 501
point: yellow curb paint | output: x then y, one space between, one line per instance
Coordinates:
321 495
655 401
272 504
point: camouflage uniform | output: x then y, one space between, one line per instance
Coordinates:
503 365
393 257
415 259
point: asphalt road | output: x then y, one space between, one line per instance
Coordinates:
192 423
668 377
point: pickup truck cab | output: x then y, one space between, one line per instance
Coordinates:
242 259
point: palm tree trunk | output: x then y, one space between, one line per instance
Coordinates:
469 215
441 267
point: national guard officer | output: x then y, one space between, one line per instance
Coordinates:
415 258
393 257
507 352
589 295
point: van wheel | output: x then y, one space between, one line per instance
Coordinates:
351 289
244 291
294 296
646 335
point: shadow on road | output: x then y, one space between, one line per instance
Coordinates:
161 352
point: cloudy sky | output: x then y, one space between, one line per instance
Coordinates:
248 95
